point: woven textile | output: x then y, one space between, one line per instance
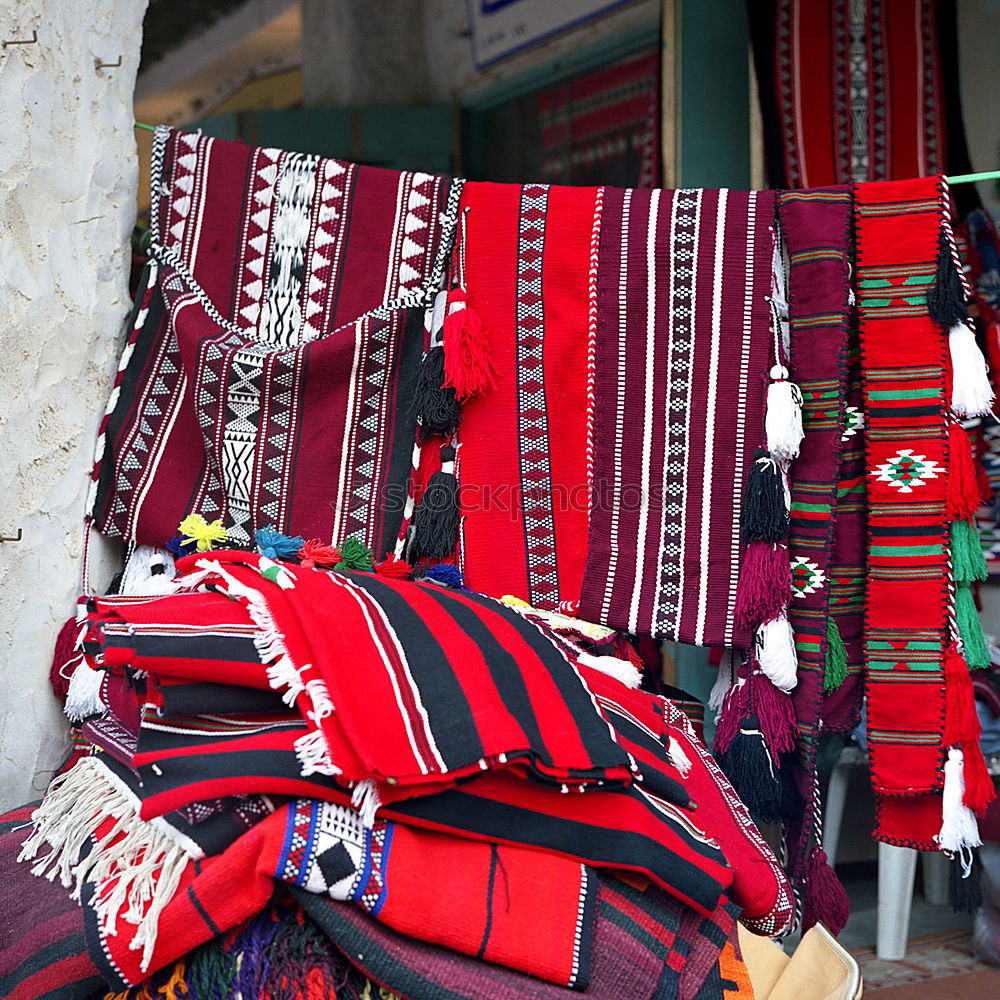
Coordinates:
841 708
641 950
904 364
816 227
603 127
43 952
505 904
523 455
296 416
850 91
414 685
683 342
644 828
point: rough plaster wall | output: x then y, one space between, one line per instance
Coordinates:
67 205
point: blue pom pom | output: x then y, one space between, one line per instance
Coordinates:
447 574
178 547
275 545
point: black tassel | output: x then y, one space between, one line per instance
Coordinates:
967 892
764 517
436 406
747 764
435 521
946 297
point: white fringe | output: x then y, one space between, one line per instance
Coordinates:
365 799
612 666
971 392
776 652
143 867
319 695
83 698
959 828
313 755
723 680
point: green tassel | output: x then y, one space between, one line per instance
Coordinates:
971 630
967 560
835 671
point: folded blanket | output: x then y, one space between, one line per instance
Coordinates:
154 895
416 685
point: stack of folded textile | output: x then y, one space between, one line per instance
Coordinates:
432 774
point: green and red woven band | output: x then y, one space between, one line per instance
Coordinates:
904 364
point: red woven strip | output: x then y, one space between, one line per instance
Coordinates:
905 369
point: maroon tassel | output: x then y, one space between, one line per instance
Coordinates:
764 588
65 651
735 706
824 900
776 713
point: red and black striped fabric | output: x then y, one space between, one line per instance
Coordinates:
43 950
505 904
644 828
415 684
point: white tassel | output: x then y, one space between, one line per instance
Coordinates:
775 643
83 698
959 828
723 680
148 571
783 419
366 800
313 755
678 757
621 670
971 392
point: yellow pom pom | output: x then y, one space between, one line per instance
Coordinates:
196 529
514 602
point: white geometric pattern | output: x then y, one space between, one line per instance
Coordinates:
905 470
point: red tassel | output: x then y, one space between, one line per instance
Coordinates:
391 566
764 588
824 900
979 790
64 652
316 553
963 497
961 722
985 489
468 362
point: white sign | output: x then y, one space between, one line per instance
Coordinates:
503 27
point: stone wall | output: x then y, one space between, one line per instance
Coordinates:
67 206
